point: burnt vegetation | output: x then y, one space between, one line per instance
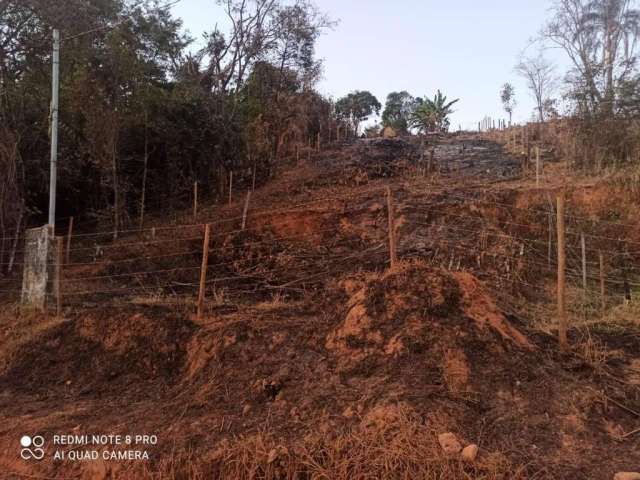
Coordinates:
281 288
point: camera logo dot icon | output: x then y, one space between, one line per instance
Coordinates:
32 447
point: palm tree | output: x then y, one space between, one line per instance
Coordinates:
432 115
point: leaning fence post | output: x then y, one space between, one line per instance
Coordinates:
562 313
246 209
58 288
12 256
392 229
69 234
203 270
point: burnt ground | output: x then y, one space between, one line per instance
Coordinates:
321 361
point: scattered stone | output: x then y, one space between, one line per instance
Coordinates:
273 455
449 443
627 476
470 452
277 453
348 412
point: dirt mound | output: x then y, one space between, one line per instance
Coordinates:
421 312
103 351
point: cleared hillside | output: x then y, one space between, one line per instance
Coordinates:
317 359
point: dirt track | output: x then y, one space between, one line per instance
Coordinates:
318 357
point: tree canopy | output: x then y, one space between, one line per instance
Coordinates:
508 99
141 116
398 110
357 107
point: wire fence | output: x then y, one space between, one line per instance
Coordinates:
294 249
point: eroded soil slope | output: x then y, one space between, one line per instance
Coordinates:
322 361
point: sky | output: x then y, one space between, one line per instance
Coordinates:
465 48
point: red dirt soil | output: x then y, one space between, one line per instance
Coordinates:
349 376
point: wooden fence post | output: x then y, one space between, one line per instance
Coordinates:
230 185
253 180
603 301
59 260
318 142
69 234
195 201
203 270
562 313
537 167
392 229
246 209
583 247
550 239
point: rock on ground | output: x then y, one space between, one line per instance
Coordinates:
449 443
470 452
627 476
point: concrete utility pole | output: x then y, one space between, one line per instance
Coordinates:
55 86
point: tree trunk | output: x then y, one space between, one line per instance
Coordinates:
12 257
144 172
116 192
2 242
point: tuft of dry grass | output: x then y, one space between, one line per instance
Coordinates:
592 351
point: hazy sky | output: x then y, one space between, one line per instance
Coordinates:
466 48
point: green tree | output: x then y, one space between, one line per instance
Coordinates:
431 115
357 107
508 98
398 110
140 118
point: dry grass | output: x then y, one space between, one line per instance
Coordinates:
277 301
592 351
20 327
403 449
